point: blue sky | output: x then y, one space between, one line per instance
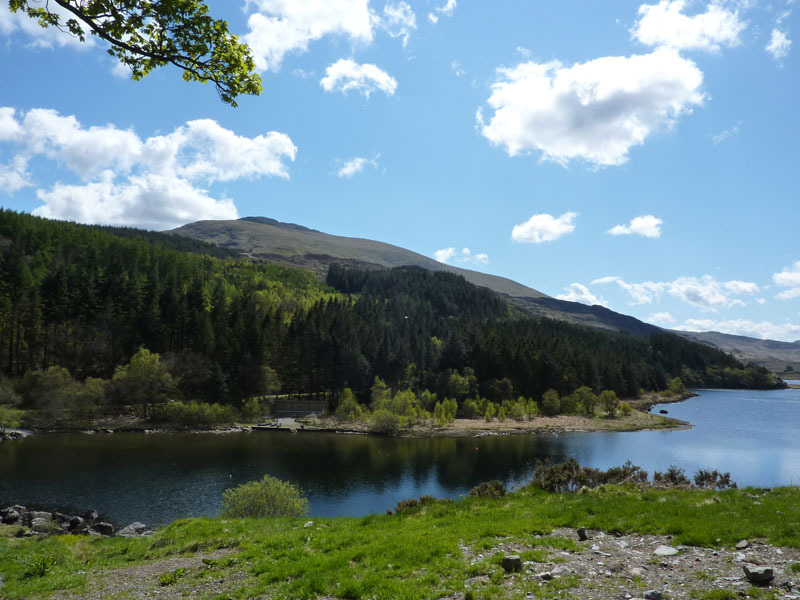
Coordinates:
639 155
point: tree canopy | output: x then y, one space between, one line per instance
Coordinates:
146 34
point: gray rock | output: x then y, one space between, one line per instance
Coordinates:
132 530
40 514
742 545
739 557
665 551
40 525
636 571
512 563
308 524
652 595
583 535
559 571
758 574
9 516
76 523
545 576
90 515
61 517
103 528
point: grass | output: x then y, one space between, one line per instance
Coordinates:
419 553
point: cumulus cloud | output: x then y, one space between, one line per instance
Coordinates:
544 228
153 182
42 37
278 27
464 257
665 24
356 165
705 293
445 10
594 111
14 175
577 292
647 226
661 317
788 278
766 330
398 20
779 44
346 74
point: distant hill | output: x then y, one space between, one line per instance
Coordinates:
298 246
262 238
774 355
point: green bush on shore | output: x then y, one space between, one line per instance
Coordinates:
269 497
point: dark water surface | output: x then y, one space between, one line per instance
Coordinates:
157 478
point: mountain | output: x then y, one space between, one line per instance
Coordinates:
262 238
776 356
297 246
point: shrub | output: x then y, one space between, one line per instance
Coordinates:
570 476
469 410
713 480
625 409
490 412
349 409
196 415
551 403
609 401
673 476
489 489
269 497
384 422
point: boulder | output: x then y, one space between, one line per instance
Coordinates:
512 563
583 535
40 514
759 575
76 523
90 515
665 551
9 516
742 545
103 528
132 530
653 595
308 524
61 517
40 525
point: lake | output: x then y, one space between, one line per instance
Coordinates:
157 478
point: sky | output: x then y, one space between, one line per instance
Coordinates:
642 156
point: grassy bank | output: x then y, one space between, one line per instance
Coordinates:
437 549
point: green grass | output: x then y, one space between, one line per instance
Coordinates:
416 554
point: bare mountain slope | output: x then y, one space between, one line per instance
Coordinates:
287 243
774 355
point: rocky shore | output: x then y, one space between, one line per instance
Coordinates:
43 523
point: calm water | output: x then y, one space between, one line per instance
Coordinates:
160 477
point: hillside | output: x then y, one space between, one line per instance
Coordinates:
774 355
298 246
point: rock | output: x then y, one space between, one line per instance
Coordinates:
61 517
652 595
545 576
665 551
758 574
132 530
512 563
663 411
103 528
9 516
90 515
559 571
636 571
308 524
739 557
742 545
40 525
76 523
582 534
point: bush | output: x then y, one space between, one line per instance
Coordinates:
489 489
551 404
673 476
269 497
625 409
349 409
384 422
713 480
194 415
609 402
570 476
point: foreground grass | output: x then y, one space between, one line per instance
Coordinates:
419 553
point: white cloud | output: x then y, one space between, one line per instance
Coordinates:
705 293
766 330
457 69
464 257
398 20
724 135
606 279
42 37
661 317
594 111
128 180
346 74
14 176
779 44
446 10
665 24
647 226
577 292
788 278
278 27
544 228
761 300
356 165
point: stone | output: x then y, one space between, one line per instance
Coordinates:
103 528
545 575
40 514
90 515
512 563
559 571
40 525
61 517
308 524
10 516
583 535
758 574
636 571
739 557
665 551
652 595
742 545
132 530
76 523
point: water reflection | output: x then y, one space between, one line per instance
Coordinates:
159 477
